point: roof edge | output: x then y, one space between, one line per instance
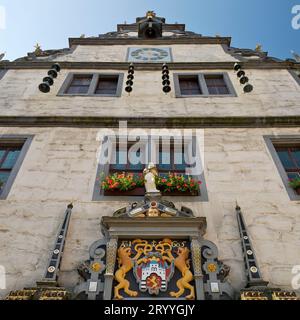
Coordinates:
159 41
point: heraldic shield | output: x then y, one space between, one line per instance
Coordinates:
153 272
159 268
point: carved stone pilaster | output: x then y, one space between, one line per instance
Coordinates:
197 264
111 256
196 254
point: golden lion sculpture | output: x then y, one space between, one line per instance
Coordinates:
126 263
182 263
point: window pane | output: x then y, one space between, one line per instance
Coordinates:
164 161
80 84
285 159
2 153
179 161
81 81
216 84
78 90
189 85
10 160
107 85
293 175
296 156
3 178
139 166
121 161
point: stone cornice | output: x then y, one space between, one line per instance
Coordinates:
160 227
137 41
150 66
151 122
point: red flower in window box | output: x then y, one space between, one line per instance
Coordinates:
122 182
128 184
177 185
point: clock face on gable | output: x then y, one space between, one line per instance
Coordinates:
149 55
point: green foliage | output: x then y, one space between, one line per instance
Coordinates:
295 183
122 182
176 182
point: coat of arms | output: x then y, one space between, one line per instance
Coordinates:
154 272
154 264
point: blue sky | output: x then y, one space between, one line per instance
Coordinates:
52 22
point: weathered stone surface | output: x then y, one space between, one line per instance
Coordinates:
30 217
60 167
19 92
181 53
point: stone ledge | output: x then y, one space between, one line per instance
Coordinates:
149 66
150 122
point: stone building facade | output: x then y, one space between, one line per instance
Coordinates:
251 148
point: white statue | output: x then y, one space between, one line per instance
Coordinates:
149 174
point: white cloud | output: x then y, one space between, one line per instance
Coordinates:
2 18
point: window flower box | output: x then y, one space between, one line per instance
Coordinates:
128 184
177 185
123 184
181 193
140 191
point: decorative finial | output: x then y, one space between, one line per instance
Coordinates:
38 49
150 14
70 206
258 48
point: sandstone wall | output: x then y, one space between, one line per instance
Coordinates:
276 93
61 165
180 53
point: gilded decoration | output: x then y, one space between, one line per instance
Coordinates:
153 265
